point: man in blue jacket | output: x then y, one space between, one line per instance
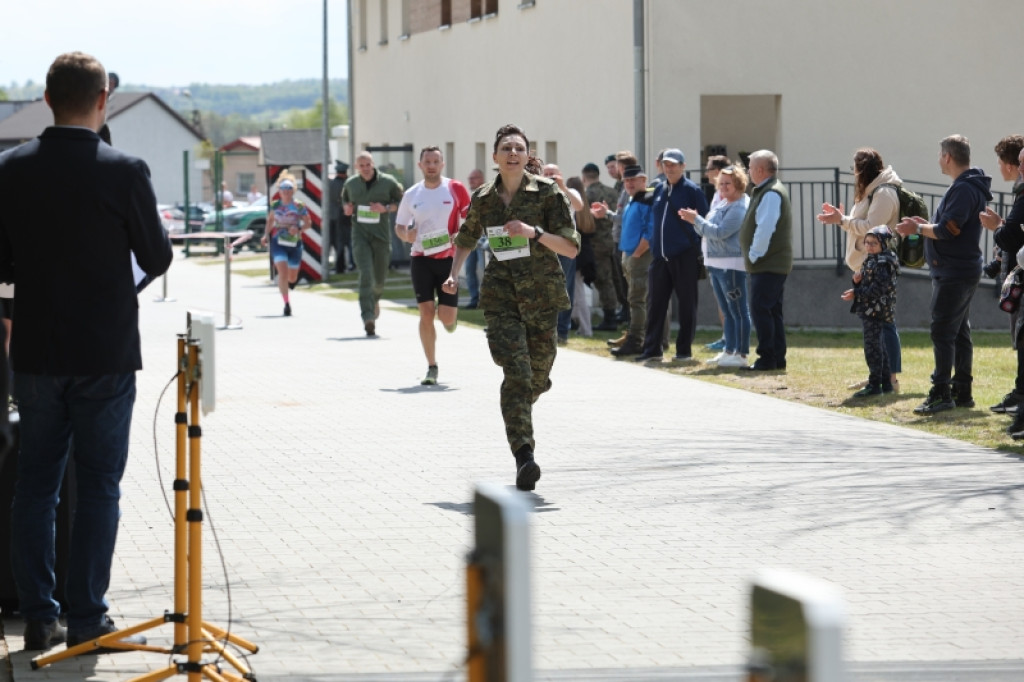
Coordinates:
954 258
676 258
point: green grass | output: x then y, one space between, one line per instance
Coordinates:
820 366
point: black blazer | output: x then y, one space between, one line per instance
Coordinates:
72 209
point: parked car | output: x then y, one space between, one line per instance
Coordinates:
252 218
173 218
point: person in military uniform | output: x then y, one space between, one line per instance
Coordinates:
605 251
370 197
528 224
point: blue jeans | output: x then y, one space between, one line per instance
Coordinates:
95 412
766 291
730 287
951 330
565 316
893 349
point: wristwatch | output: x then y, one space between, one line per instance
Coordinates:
539 232
919 228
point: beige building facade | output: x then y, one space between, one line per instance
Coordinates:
810 79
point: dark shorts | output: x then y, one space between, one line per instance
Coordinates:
428 274
280 253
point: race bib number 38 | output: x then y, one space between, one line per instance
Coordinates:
506 247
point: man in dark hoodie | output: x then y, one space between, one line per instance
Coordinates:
954 258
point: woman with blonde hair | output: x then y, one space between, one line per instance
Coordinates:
287 219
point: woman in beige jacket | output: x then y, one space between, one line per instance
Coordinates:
876 203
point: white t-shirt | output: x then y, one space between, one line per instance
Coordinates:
436 214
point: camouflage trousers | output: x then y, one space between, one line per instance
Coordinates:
523 344
605 272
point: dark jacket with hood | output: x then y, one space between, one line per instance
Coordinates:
955 252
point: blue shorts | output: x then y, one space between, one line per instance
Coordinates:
292 254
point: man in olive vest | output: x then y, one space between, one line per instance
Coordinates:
766 238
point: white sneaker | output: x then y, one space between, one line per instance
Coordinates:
733 360
715 360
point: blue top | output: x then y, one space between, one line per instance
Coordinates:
721 228
636 225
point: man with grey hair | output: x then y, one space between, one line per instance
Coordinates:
954 257
766 239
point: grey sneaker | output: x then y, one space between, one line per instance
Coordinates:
431 378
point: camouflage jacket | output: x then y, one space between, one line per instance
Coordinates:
598 192
535 282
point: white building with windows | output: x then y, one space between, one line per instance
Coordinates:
810 79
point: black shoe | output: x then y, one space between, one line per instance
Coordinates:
1016 429
938 400
1009 404
615 343
760 366
609 323
370 327
527 470
41 635
645 357
870 390
962 395
76 637
287 309
629 347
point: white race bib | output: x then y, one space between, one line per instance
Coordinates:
365 215
506 247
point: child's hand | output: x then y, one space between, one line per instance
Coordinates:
847 295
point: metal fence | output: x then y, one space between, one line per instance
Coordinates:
809 188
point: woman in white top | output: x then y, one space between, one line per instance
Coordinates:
876 203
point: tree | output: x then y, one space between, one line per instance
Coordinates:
3 95
337 114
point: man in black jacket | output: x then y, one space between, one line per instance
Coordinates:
75 346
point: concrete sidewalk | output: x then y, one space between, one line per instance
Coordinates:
339 489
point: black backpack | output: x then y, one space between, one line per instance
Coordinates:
909 249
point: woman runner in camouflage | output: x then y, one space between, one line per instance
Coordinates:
527 222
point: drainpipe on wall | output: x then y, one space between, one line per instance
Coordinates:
325 184
639 106
351 101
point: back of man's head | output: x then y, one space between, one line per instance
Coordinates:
73 84
959 149
591 172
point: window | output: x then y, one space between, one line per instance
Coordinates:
449 159
481 157
383 23
550 152
446 13
490 8
526 4
245 183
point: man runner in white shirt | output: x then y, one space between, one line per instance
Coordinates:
428 217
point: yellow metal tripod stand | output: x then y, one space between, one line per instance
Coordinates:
192 636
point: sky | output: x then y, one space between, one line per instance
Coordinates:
170 43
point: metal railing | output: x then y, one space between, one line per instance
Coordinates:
809 188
